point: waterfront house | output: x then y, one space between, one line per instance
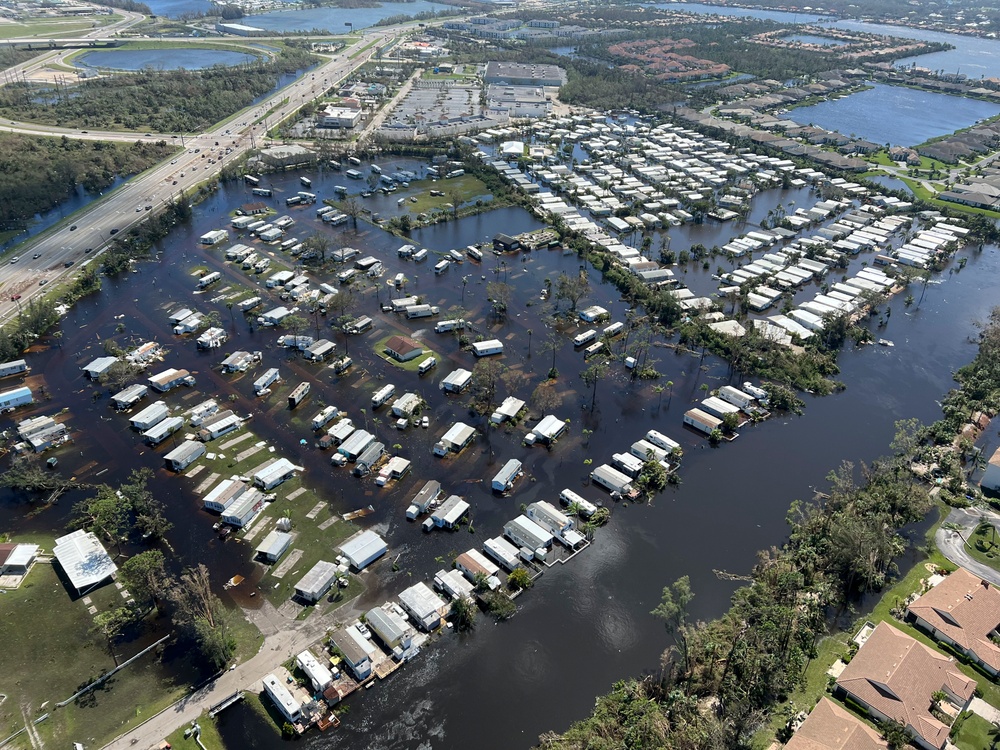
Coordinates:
473 563
453 584
701 421
184 455
319 674
362 549
964 612
316 582
611 479
84 560
503 552
98 367
283 699
274 545
507 475
390 627
449 514
991 477
527 534
831 727
403 349
356 658
893 677
425 607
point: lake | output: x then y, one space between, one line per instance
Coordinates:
895 114
163 59
584 624
733 12
333 19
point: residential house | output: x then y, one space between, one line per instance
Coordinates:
832 727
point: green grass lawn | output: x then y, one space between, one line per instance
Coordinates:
974 734
410 366
209 737
983 546
52 662
465 189
45 28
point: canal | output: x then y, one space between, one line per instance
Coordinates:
585 624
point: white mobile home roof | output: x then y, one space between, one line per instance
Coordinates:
450 511
502 551
391 629
456 380
458 434
524 531
506 475
270 473
317 580
363 549
83 559
507 410
421 602
274 544
550 427
319 674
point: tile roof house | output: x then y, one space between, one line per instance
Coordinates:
832 727
402 348
893 676
962 611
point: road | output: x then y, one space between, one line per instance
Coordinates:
60 250
951 541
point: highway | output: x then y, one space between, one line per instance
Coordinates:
26 269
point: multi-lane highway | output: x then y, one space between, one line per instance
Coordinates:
60 251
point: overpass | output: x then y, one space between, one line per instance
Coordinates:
61 43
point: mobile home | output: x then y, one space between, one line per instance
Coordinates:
611 479
507 475
487 348
430 492
456 381
701 421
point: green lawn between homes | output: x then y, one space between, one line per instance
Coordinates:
975 733
410 366
984 545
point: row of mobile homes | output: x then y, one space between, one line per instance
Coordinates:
507 475
455 439
244 509
129 397
184 455
456 381
363 549
429 493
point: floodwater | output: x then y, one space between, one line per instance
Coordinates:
189 58
584 624
895 114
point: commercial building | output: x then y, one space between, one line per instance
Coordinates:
524 74
332 116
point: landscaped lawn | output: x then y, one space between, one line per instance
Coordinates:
984 546
974 733
210 737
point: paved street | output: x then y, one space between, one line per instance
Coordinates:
951 542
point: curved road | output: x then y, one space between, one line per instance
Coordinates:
43 259
951 541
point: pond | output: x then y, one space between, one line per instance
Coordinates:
176 58
895 114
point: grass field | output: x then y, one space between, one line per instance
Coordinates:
209 737
466 189
52 663
45 28
983 536
974 734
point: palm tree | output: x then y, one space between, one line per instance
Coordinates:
658 390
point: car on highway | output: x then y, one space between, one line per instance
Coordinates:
15 298
15 259
36 256
114 231
88 251
68 263
43 282
73 228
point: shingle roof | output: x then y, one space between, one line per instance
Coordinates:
966 609
896 675
831 727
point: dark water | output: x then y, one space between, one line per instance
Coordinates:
162 59
585 624
334 20
895 114
40 222
733 12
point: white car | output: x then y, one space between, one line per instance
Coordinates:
363 629
425 422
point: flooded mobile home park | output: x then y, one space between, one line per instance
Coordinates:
266 408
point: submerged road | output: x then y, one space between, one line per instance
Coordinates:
53 255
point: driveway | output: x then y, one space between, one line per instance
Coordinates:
951 541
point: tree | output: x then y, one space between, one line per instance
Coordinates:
203 616
552 343
485 376
111 623
652 477
295 324
592 376
672 610
120 374
353 209
150 518
499 294
318 243
895 735
545 399
464 611
730 422
455 198
146 577
106 514
520 579
572 289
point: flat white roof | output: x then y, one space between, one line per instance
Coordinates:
83 559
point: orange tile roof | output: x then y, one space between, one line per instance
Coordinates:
832 727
